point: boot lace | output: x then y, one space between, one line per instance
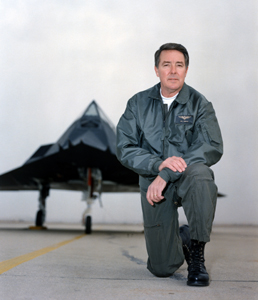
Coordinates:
197 257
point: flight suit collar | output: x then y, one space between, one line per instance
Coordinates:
182 97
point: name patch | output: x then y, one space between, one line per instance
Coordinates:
184 119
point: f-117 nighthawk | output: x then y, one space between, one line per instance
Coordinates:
83 159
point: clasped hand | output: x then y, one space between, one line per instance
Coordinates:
154 193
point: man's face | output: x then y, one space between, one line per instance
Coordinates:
171 72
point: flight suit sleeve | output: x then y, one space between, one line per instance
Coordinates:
129 151
206 145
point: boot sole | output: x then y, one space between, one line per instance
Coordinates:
197 283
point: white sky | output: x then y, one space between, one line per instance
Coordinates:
57 56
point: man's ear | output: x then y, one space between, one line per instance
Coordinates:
186 71
156 71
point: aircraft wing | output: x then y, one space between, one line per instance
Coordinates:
88 143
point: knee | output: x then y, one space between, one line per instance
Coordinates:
199 170
164 269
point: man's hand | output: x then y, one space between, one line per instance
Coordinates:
154 193
174 163
155 189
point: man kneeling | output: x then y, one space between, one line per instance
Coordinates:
169 135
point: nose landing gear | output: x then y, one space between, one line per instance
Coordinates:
41 214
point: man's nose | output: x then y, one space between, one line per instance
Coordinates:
173 69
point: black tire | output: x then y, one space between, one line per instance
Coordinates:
88 225
40 218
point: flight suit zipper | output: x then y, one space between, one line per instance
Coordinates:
165 113
163 128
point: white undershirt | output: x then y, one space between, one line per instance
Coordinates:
166 100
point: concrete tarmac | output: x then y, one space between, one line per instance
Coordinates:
64 263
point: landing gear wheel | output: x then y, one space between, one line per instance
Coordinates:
88 224
40 218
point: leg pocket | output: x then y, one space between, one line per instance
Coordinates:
156 243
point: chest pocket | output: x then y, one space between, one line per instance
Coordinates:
180 133
181 128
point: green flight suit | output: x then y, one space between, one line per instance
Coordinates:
147 135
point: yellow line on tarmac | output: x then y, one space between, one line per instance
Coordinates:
13 262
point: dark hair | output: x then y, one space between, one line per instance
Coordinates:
171 46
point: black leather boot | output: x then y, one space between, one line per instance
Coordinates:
197 274
186 241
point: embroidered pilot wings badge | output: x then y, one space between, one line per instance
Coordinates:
184 119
